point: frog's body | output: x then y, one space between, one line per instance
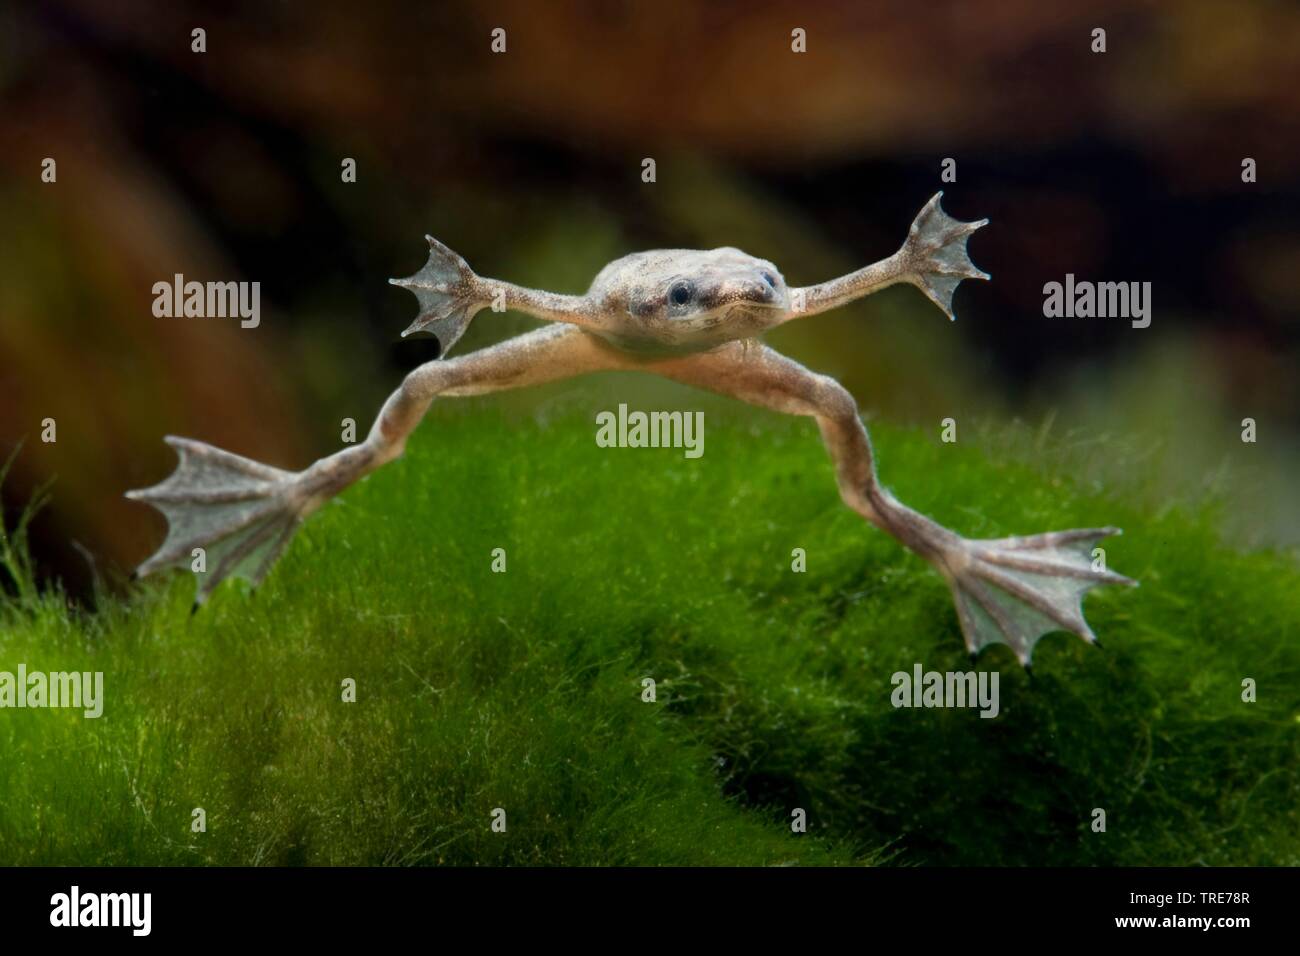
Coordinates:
689 315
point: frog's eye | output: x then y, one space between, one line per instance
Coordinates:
769 279
680 292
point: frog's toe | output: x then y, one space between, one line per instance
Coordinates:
935 254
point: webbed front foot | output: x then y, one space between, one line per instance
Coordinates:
934 257
449 294
1014 590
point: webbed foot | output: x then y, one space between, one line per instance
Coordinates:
239 512
1014 590
934 256
448 292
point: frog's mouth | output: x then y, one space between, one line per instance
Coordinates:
734 314
746 307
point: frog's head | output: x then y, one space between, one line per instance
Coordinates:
681 294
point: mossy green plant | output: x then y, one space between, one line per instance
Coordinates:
524 690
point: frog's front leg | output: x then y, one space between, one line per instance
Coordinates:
450 294
1010 590
933 258
242 513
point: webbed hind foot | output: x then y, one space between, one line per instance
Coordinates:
1015 590
229 515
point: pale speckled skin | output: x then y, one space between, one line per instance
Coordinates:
688 315
732 295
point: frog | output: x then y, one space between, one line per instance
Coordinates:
692 316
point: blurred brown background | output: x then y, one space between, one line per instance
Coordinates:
225 165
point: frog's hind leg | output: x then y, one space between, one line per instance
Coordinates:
237 515
1007 591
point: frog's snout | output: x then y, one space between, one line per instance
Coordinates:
762 287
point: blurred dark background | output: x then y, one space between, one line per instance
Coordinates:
225 165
